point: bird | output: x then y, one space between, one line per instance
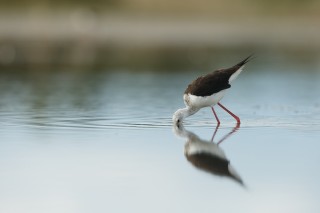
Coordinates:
207 155
208 90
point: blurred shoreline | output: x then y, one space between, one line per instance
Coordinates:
84 39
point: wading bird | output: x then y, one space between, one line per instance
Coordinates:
207 155
207 91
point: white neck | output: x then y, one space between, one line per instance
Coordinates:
180 114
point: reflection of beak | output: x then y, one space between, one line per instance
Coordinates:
176 124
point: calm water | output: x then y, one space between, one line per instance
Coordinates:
104 142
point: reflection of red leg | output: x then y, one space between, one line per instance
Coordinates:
230 133
228 111
215 115
215 132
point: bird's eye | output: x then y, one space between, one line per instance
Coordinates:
178 120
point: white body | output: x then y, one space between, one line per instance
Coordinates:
197 102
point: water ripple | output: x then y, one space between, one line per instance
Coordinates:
141 121
56 121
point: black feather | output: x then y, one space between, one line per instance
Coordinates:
215 81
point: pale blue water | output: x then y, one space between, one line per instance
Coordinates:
68 144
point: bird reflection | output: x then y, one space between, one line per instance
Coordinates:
207 155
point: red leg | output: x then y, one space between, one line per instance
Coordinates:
215 132
215 115
230 133
228 111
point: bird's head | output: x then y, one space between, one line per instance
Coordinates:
178 116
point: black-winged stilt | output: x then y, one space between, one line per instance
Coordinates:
207 155
208 90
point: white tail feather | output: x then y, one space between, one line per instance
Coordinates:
235 75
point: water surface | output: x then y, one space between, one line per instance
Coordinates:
104 142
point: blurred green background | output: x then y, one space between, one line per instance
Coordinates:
154 34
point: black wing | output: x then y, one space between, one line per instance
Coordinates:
213 82
209 84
